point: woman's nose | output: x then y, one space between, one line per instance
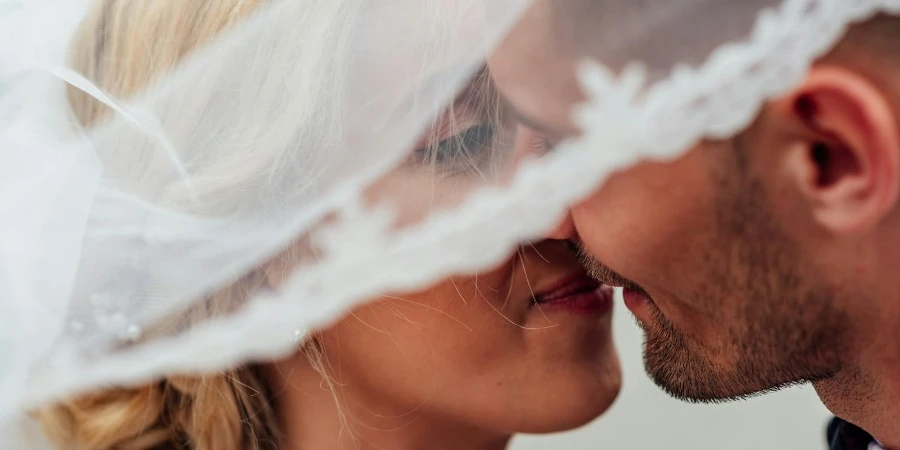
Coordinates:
564 230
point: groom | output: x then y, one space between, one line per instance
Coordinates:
761 261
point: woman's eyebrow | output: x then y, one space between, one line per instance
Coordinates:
527 120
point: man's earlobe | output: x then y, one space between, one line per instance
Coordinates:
851 172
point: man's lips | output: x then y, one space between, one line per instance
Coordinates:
635 301
610 278
636 298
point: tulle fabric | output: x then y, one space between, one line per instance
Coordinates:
288 142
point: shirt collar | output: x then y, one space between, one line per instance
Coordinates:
843 435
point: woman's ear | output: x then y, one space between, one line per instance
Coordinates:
849 169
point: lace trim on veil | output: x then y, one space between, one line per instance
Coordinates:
715 100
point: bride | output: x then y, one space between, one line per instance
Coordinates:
463 364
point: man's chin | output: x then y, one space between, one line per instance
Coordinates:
683 383
689 376
679 370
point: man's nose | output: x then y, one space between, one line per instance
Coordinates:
565 229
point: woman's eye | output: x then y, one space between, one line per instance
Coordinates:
468 147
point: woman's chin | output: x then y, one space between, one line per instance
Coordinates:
570 402
576 413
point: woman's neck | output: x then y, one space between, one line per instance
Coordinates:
317 416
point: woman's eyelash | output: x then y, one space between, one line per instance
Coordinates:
463 145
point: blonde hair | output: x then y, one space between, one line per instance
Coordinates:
122 46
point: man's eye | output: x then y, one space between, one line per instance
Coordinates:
466 147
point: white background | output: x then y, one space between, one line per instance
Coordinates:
644 418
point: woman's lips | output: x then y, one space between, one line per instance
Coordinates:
577 293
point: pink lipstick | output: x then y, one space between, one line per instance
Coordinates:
578 293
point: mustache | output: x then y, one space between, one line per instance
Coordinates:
601 272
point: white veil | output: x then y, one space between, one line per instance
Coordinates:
284 139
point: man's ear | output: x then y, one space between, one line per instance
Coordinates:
849 169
